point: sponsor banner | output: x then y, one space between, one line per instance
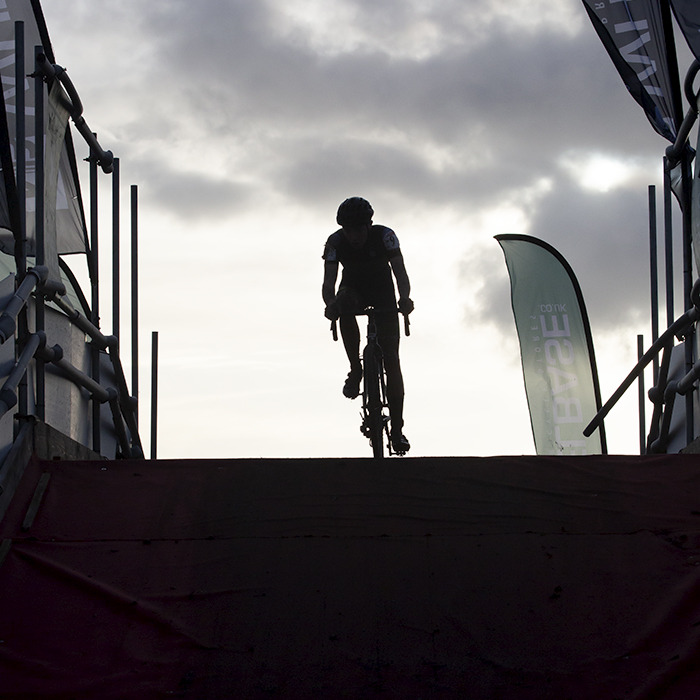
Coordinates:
639 39
67 212
556 347
688 15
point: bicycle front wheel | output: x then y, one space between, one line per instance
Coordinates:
373 402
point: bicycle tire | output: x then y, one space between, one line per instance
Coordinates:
373 401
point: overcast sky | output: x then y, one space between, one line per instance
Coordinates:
245 123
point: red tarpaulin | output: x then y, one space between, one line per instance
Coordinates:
503 578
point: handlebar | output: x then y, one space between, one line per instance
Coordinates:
366 312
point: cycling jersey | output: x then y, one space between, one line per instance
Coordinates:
366 270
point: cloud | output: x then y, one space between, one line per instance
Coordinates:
604 236
500 97
193 196
443 104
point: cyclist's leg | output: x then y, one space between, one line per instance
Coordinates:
348 304
350 332
394 390
388 336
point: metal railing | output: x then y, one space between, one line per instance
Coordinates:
122 405
662 395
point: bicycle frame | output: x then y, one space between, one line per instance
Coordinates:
375 421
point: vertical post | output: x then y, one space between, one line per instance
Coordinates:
115 252
39 222
642 397
39 159
21 160
135 297
95 298
94 242
154 394
668 229
21 154
687 284
654 272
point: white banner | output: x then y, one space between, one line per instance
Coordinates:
556 347
70 226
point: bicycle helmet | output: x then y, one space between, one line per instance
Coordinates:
355 212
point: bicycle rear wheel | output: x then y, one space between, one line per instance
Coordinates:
373 402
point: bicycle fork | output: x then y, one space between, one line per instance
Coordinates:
374 420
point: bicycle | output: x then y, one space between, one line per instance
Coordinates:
375 420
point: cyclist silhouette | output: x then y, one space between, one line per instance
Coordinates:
368 253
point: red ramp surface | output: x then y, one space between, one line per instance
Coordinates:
524 578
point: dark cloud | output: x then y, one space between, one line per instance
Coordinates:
484 272
190 196
504 101
506 110
511 82
605 238
503 106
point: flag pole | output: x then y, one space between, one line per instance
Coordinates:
654 275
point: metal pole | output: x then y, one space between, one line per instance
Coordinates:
95 299
21 159
94 243
654 271
154 394
21 154
115 251
642 397
39 159
687 286
39 223
134 297
668 229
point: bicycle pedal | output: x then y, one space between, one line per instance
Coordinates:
401 447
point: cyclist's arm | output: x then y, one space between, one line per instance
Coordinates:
330 275
399 268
